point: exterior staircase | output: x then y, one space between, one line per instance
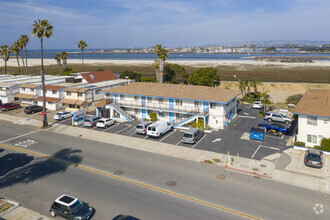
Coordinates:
121 111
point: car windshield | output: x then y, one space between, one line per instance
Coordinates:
187 135
76 206
314 157
139 127
58 113
87 120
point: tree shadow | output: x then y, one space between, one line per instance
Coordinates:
42 167
12 161
1 150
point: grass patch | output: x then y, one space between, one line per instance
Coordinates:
5 207
208 161
216 160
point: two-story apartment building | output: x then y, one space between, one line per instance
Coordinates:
8 91
76 98
175 103
54 94
28 93
313 112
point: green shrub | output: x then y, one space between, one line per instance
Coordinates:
148 79
153 116
318 147
325 143
300 144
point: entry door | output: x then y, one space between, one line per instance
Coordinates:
143 100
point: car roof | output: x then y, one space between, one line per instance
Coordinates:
191 130
66 200
314 151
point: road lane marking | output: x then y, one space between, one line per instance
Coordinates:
135 183
256 151
243 116
33 132
179 142
167 135
199 141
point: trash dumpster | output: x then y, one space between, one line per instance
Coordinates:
257 133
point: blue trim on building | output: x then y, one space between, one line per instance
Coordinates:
311 115
205 106
171 115
157 109
171 103
173 98
143 100
144 113
116 98
194 116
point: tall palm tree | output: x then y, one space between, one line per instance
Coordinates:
25 40
42 29
162 55
82 46
58 59
21 46
64 57
16 49
5 53
156 67
241 85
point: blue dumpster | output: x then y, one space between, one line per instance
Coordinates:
257 133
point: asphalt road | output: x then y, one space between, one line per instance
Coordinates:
35 182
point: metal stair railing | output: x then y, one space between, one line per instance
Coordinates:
122 111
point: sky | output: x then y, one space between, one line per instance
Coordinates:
172 23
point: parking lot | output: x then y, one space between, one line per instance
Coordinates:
234 139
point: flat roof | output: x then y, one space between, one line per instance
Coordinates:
176 91
314 102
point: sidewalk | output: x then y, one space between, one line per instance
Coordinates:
286 167
17 212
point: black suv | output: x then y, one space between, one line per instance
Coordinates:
71 208
33 109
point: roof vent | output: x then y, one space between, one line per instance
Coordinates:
93 77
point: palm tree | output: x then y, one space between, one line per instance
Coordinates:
5 53
156 67
21 46
25 40
64 57
82 46
241 85
41 29
162 55
16 49
246 84
255 84
58 59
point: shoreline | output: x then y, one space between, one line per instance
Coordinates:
193 63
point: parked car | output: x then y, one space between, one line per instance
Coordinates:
142 127
105 122
277 117
273 126
158 129
33 109
91 121
314 158
257 105
62 115
125 217
71 208
192 135
9 106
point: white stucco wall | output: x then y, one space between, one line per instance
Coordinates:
322 129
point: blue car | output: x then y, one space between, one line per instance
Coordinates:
275 127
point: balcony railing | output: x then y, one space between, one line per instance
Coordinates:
179 108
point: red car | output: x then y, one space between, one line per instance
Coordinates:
9 106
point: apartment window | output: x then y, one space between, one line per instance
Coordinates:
93 77
311 120
160 100
136 111
136 98
178 102
68 93
312 138
79 94
197 103
23 89
149 99
177 115
31 89
121 96
213 105
54 91
71 106
161 114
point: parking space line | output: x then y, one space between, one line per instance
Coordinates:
132 134
243 116
146 137
199 141
256 151
19 136
123 129
273 148
179 142
112 126
94 128
167 135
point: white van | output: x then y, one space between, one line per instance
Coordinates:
159 128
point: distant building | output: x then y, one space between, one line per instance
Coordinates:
98 76
28 93
313 112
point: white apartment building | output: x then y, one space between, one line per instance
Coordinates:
8 92
54 94
313 112
175 103
28 93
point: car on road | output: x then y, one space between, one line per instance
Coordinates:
105 122
70 207
62 115
31 109
257 105
192 135
277 117
125 217
142 127
158 129
314 158
91 121
276 127
9 106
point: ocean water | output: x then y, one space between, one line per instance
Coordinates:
75 54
